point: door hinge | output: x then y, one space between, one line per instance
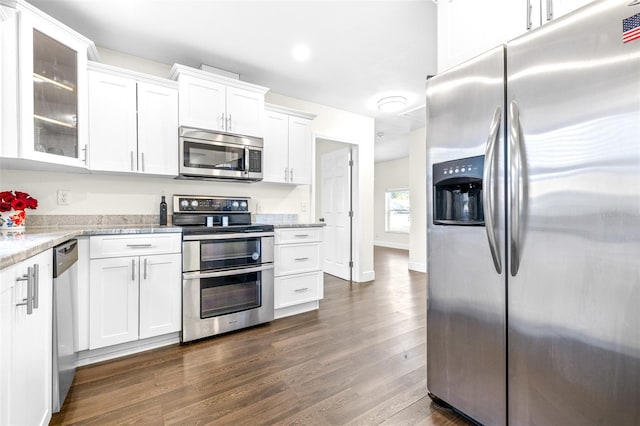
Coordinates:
350 264
350 163
351 213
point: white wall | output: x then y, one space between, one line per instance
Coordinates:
109 194
394 174
418 194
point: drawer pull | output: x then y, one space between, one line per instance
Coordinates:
139 245
301 235
301 290
300 259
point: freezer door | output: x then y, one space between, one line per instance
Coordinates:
466 294
573 91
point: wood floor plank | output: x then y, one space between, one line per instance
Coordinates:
359 360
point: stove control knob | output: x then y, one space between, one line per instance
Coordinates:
243 204
184 204
194 204
235 205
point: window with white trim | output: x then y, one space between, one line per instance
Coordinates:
397 216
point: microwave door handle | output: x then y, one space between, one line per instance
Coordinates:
246 160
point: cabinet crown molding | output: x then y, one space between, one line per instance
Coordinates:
177 70
134 75
23 6
289 111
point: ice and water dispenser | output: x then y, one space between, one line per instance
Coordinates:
457 192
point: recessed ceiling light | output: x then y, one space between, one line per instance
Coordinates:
301 52
392 103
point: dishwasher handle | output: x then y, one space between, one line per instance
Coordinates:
64 256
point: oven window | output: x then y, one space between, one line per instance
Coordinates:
226 295
209 156
215 254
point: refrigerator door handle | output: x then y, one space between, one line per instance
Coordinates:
489 186
516 184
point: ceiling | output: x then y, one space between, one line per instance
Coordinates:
360 50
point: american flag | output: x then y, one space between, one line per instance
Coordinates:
631 28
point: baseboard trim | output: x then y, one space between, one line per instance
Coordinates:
366 276
388 244
418 267
124 349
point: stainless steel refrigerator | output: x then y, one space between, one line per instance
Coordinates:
533 164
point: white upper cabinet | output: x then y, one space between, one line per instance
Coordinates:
467 28
554 9
288 146
112 99
202 103
276 148
44 79
213 102
133 122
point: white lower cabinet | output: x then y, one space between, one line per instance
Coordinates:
299 280
137 296
26 306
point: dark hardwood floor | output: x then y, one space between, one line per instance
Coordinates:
359 360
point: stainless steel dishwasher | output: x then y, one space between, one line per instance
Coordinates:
65 356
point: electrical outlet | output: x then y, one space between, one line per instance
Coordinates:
63 197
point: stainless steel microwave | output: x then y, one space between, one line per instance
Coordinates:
205 154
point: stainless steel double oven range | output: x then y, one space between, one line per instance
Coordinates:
227 266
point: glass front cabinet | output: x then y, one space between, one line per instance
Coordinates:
48 100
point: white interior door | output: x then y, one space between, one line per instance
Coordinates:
335 201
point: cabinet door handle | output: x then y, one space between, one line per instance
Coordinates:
300 259
139 245
291 175
145 269
229 122
301 290
221 121
529 7
132 161
142 160
35 278
84 150
29 300
133 269
286 173
549 10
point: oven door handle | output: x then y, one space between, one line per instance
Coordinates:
224 236
225 273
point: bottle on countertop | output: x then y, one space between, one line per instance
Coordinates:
163 211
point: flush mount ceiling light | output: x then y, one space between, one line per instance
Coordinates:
392 103
300 52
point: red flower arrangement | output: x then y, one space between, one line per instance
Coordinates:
15 202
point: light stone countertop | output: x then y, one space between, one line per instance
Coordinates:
18 245
299 225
